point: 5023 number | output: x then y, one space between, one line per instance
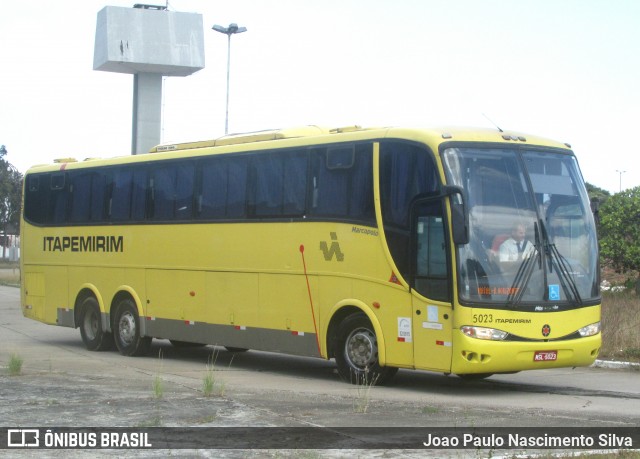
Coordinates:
482 318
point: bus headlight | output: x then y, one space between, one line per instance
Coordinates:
484 333
590 330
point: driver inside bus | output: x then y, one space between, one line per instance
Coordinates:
517 247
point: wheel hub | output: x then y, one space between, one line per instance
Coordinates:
127 328
361 348
91 325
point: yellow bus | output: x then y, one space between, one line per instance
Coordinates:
380 248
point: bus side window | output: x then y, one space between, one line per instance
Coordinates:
269 177
120 204
59 194
295 183
223 188
163 193
184 191
331 190
173 192
342 183
280 184
431 279
80 197
406 171
213 193
35 198
98 195
139 193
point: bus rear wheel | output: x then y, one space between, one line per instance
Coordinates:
93 336
356 353
127 330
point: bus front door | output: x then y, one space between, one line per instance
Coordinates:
431 334
431 289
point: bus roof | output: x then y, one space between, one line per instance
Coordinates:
323 135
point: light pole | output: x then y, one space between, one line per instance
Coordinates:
621 172
228 31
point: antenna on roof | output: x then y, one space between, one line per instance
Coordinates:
491 121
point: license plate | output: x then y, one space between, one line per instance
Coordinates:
545 356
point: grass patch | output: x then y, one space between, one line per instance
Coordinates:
155 421
429 410
212 385
15 365
620 323
158 383
158 387
363 385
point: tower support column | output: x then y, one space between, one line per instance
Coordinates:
147 112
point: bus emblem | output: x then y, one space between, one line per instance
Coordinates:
546 330
333 250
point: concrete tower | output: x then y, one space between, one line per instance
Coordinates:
149 42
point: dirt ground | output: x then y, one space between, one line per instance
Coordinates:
62 385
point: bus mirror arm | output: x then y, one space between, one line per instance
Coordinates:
459 215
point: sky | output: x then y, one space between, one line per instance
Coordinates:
564 69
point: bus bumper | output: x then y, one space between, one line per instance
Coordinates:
482 356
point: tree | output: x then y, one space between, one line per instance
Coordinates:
620 230
597 193
598 197
10 198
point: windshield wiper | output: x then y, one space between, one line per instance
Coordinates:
562 266
522 278
525 271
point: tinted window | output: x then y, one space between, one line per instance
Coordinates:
139 193
172 191
344 191
81 197
121 194
224 188
280 184
334 182
36 199
406 171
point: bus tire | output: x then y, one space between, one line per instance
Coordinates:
127 330
356 353
93 336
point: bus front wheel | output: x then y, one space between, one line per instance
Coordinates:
93 336
127 330
356 353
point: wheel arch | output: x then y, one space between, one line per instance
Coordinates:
344 309
86 291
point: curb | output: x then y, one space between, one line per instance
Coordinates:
616 365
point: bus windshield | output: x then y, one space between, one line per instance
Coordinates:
532 240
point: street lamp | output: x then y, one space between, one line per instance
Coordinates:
621 172
228 31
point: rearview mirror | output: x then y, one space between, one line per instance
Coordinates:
459 214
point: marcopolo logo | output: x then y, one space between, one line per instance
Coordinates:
332 251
